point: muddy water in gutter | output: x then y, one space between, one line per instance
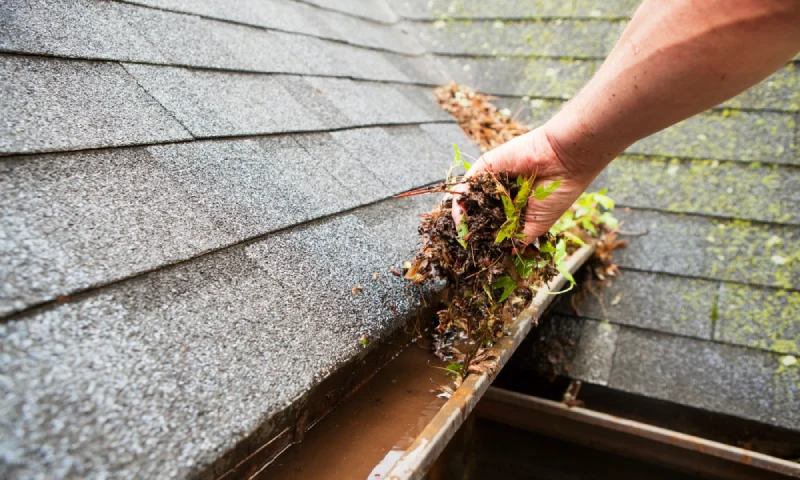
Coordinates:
364 436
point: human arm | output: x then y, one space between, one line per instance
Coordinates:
676 58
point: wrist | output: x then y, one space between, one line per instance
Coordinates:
582 147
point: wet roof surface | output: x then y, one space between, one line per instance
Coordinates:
190 193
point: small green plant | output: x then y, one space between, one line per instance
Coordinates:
454 368
458 159
590 211
513 208
463 232
506 284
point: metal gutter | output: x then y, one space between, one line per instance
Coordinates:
631 438
427 447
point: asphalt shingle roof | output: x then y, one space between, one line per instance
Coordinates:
189 195
190 192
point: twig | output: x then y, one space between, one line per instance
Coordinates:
633 234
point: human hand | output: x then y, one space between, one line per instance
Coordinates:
536 152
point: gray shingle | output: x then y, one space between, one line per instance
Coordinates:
421 69
423 99
403 158
565 345
606 8
76 220
79 220
51 105
160 375
344 60
220 104
74 28
255 186
118 31
517 76
373 103
350 169
653 301
780 91
531 111
378 11
551 38
594 355
452 134
758 192
737 251
727 136
191 40
712 376
363 32
513 9
516 9
759 317
296 17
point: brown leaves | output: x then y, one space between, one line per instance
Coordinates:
482 121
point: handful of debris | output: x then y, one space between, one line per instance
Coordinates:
491 272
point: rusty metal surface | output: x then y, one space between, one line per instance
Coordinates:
431 442
631 438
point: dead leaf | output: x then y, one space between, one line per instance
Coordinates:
616 299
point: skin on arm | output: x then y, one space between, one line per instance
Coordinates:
676 58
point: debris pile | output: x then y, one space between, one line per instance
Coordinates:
481 120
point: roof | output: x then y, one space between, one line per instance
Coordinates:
708 301
189 195
190 192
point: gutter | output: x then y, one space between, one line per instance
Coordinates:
426 448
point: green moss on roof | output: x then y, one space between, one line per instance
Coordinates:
730 189
501 8
550 38
781 91
742 251
531 8
728 135
606 8
555 79
761 318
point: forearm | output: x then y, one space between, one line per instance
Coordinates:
676 58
